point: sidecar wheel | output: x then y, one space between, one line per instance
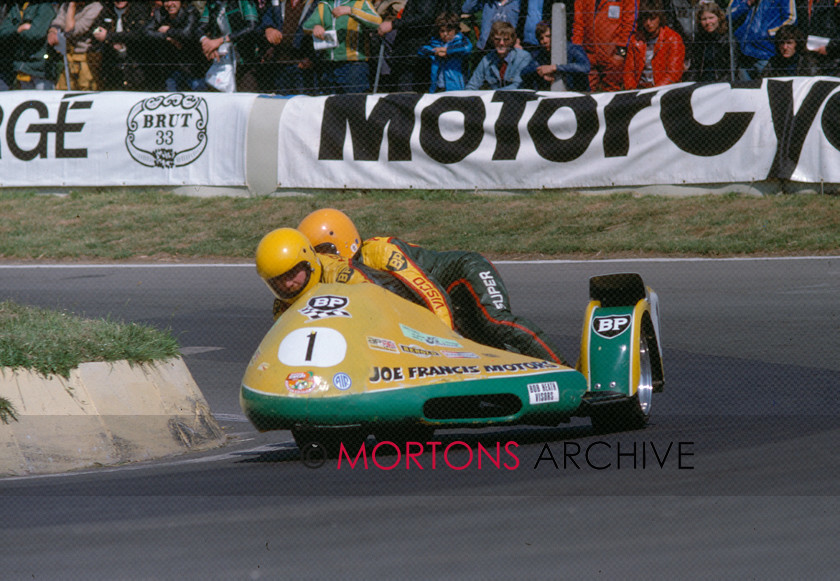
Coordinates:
634 413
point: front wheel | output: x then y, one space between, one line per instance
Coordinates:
400 434
316 444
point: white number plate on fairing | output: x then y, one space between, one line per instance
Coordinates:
312 347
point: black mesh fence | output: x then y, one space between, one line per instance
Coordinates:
393 45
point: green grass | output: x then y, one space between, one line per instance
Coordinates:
7 411
54 342
156 225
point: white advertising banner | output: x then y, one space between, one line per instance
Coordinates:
679 134
56 138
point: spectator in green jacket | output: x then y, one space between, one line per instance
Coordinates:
24 35
349 23
232 24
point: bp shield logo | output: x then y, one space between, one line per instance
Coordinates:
324 306
611 326
168 130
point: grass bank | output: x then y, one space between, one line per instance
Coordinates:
55 342
157 225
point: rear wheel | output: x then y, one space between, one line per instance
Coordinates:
633 413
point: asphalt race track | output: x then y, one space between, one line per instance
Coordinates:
738 475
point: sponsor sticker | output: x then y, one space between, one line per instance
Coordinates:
611 326
459 354
544 392
495 294
428 339
417 350
302 382
167 131
324 306
382 344
396 261
342 381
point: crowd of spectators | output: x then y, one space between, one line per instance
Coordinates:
311 47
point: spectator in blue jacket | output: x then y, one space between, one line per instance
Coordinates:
755 24
502 68
447 53
542 73
492 11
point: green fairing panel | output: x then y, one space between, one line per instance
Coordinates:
609 357
271 412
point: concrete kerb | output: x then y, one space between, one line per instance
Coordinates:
103 414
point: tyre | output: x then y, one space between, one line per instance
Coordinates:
402 433
632 413
320 444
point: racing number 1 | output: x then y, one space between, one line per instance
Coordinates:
310 346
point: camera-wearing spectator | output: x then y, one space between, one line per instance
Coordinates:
178 64
119 32
501 69
603 28
75 21
656 54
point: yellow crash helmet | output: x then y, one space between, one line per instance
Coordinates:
287 262
331 232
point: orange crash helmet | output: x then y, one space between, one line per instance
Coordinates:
331 232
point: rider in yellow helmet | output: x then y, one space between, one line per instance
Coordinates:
289 265
469 282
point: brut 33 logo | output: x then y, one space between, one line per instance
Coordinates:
167 131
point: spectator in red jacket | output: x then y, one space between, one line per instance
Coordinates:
656 55
604 28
